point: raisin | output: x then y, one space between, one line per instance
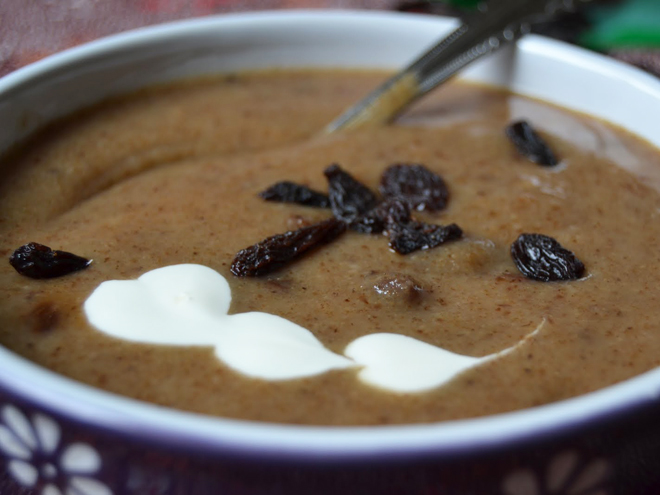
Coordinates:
370 223
530 144
290 192
412 236
279 250
349 198
38 261
542 258
377 220
407 235
416 184
396 213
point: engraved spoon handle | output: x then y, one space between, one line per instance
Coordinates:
497 23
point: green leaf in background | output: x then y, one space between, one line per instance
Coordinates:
628 24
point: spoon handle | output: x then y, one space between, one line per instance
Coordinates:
494 25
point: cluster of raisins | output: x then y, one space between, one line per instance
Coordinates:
403 188
354 206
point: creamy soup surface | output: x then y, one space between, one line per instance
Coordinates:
172 175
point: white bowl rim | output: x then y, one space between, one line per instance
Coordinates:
174 429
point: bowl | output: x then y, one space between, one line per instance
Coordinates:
60 436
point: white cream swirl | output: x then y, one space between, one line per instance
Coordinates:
187 305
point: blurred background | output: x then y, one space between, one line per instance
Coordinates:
31 29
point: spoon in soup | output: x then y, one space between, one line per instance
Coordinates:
493 25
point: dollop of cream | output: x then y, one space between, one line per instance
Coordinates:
187 305
406 365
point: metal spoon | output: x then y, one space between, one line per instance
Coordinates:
496 23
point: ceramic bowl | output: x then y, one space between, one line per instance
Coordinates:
58 436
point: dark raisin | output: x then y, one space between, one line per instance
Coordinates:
542 258
377 220
38 261
349 198
369 223
417 185
530 144
412 236
290 192
407 235
396 212
279 250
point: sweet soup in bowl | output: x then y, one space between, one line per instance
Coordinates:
483 254
136 151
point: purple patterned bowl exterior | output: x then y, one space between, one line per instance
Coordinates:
58 436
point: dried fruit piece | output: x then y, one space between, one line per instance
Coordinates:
418 235
290 192
412 236
406 235
38 261
530 144
370 223
278 250
396 212
417 185
349 198
542 258
376 220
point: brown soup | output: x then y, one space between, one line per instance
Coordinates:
172 175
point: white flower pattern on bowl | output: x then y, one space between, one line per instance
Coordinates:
36 460
564 475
